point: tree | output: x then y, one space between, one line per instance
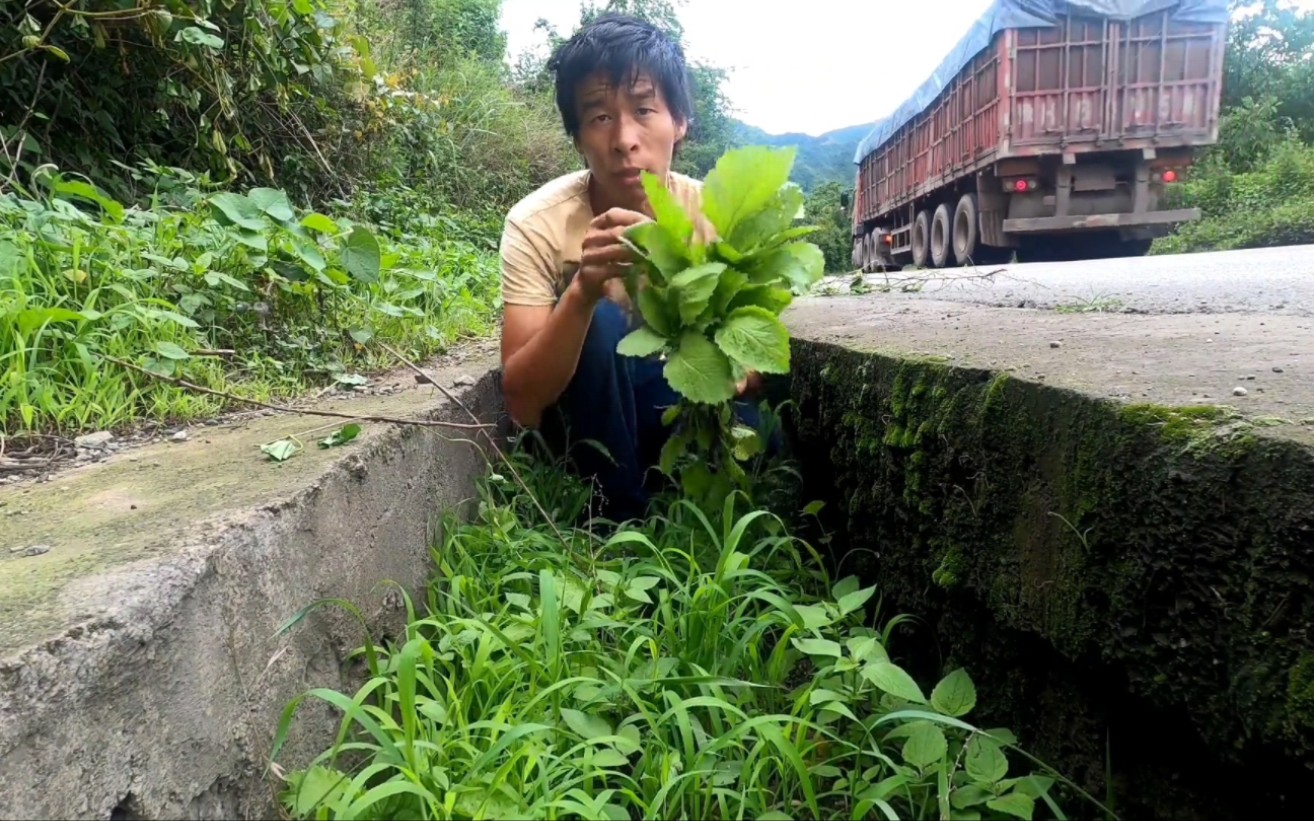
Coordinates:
824 209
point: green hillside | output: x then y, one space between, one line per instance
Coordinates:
827 158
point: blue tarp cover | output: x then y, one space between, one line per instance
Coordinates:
1013 14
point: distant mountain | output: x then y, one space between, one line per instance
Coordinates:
822 159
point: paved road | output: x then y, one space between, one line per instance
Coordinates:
1267 281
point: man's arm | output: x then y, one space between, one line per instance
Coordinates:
541 344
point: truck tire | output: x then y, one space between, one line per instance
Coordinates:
921 239
967 232
941 236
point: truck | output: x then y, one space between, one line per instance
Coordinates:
1054 130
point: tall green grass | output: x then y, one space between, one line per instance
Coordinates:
682 667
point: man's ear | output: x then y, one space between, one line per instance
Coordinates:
681 130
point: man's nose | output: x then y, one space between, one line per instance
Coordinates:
625 139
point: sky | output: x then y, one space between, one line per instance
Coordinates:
814 66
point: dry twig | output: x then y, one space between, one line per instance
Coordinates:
392 420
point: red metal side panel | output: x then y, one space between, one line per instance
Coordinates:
1090 82
962 128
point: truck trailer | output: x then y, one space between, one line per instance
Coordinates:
1053 130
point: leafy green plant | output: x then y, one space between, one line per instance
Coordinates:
222 288
711 307
678 668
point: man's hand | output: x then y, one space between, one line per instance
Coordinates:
749 386
604 256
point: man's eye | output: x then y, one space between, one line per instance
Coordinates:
647 111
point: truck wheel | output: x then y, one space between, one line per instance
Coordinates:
941 228
921 239
967 232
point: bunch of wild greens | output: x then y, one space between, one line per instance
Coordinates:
687 667
712 307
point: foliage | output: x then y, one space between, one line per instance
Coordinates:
825 208
678 669
1271 205
1254 186
713 307
1268 60
288 297
234 88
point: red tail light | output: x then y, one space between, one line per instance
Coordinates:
1020 185
1170 176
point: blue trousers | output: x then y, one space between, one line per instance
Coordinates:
617 401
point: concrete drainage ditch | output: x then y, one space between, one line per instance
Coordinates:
140 674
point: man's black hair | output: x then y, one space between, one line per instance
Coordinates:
623 47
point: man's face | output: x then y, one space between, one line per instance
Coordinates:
623 131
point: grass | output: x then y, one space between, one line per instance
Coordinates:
682 667
232 291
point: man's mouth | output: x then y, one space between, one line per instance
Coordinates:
631 176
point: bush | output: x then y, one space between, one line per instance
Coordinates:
1271 205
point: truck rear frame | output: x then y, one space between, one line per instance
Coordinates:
1055 141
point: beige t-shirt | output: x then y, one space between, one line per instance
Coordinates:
544 235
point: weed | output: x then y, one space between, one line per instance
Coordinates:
684 667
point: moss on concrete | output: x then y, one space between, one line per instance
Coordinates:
1166 552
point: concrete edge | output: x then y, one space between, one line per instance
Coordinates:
166 702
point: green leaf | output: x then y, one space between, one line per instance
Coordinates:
273 202
199 37
800 264
774 300
90 193
1014 804
955 695
655 310
970 795
742 183
925 746
361 255
986 763
320 223
756 339
282 450
341 436
665 253
775 217
361 335
641 342
316 787
607 757
854 600
694 288
169 350
819 647
747 443
699 372
670 215
892 679
240 211
586 726
32 318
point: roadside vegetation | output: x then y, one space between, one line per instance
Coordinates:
1256 187
699 664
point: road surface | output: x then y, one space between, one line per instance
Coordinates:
1278 281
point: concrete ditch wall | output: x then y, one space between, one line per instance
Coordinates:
140 676
1130 584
